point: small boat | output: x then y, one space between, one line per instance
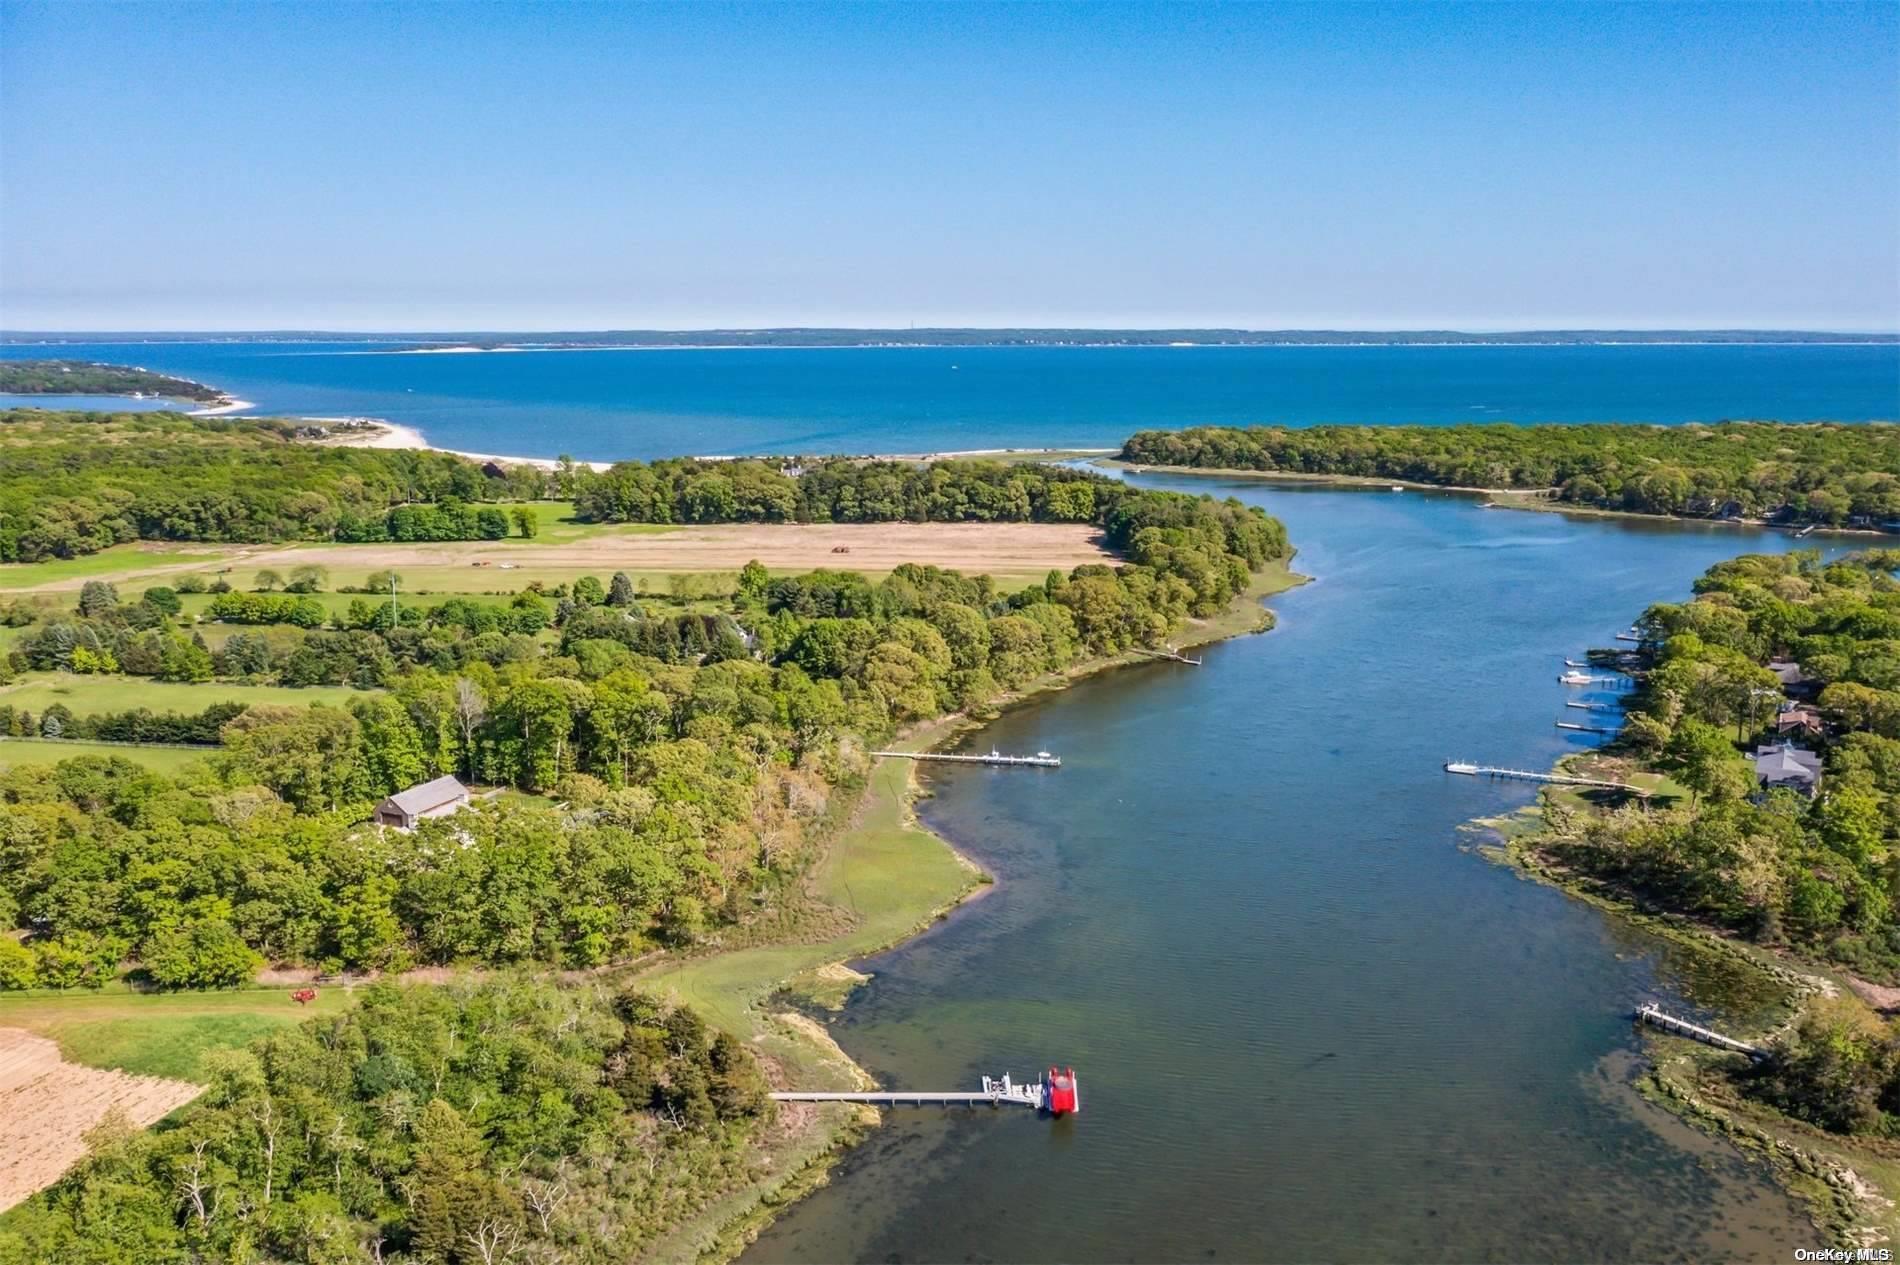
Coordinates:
1576 678
1572 663
1398 487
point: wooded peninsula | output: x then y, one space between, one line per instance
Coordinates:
84 377
1777 472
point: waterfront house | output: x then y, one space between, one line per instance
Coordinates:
443 797
1787 766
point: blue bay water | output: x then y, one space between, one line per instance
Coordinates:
657 403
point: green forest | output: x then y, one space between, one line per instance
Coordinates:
674 763
84 377
1820 473
75 483
464 1124
1819 873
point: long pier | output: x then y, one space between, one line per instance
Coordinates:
1041 760
996 1092
1594 707
1586 729
1656 1017
1525 775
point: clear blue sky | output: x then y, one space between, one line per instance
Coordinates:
536 166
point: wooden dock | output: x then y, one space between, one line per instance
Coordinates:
1170 655
1525 775
1656 1017
996 1092
1041 760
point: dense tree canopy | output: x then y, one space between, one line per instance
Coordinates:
465 1124
1811 473
85 377
74 483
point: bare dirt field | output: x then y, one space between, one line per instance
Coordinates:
47 1104
1000 549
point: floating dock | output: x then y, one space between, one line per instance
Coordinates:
1586 729
1593 707
1525 775
1041 760
1656 1017
996 1092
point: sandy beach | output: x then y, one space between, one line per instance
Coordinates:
369 433
230 405
376 433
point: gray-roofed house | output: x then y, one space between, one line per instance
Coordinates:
440 798
1786 765
1794 682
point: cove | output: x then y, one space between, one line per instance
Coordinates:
1309 1022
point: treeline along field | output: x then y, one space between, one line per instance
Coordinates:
75 483
1819 473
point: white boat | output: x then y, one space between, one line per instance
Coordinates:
1576 678
1572 663
1398 487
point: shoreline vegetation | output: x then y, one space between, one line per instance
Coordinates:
1790 877
1801 475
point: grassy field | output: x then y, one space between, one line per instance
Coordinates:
157 1034
18 751
108 564
86 695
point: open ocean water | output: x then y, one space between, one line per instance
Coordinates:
615 404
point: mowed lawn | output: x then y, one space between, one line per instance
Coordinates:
158 1034
109 563
15 752
89 694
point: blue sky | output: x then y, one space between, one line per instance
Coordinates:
503 166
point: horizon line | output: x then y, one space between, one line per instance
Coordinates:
914 330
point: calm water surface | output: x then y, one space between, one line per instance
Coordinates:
1308 1022
617 404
